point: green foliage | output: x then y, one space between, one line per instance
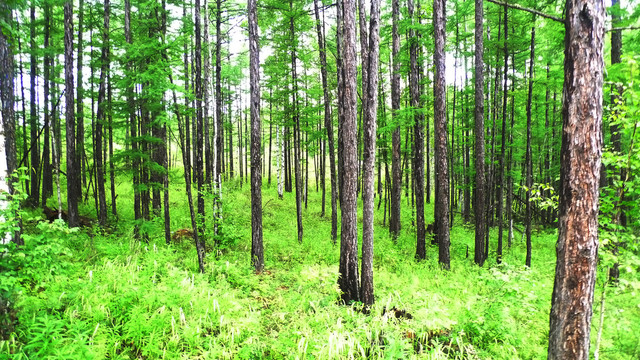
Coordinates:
111 297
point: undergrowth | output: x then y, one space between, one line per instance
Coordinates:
76 294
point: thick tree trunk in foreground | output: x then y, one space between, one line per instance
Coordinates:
440 122
348 271
73 192
257 255
369 155
478 204
577 248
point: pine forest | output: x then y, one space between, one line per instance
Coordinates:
310 179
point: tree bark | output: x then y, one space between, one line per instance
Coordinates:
8 151
80 99
500 185
199 168
47 169
418 144
396 166
328 124
577 248
369 155
528 159
257 252
73 193
296 134
102 118
348 270
34 173
479 199
440 121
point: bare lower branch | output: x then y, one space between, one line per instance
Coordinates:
518 7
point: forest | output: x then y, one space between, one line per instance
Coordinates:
309 179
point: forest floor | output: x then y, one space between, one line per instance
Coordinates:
107 296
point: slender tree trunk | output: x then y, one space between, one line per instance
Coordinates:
620 216
369 155
220 133
348 270
396 166
528 160
257 254
296 135
577 248
418 148
72 167
102 118
479 200
34 173
47 170
208 156
199 131
80 99
8 151
328 124
500 185
440 122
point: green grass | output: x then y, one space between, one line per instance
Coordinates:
110 297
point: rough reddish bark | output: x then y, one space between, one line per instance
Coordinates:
577 248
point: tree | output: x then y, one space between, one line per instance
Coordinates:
418 144
369 154
479 194
396 171
328 124
528 163
440 122
102 118
257 255
572 299
348 270
8 159
73 192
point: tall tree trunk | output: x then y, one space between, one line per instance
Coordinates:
8 151
47 170
73 192
220 133
199 129
257 254
80 99
577 248
208 156
34 173
396 166
348 270
328 124
369 155
440 122
296 134
528 159
102 118
418 148
500 185
478 204
620 216
132 120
